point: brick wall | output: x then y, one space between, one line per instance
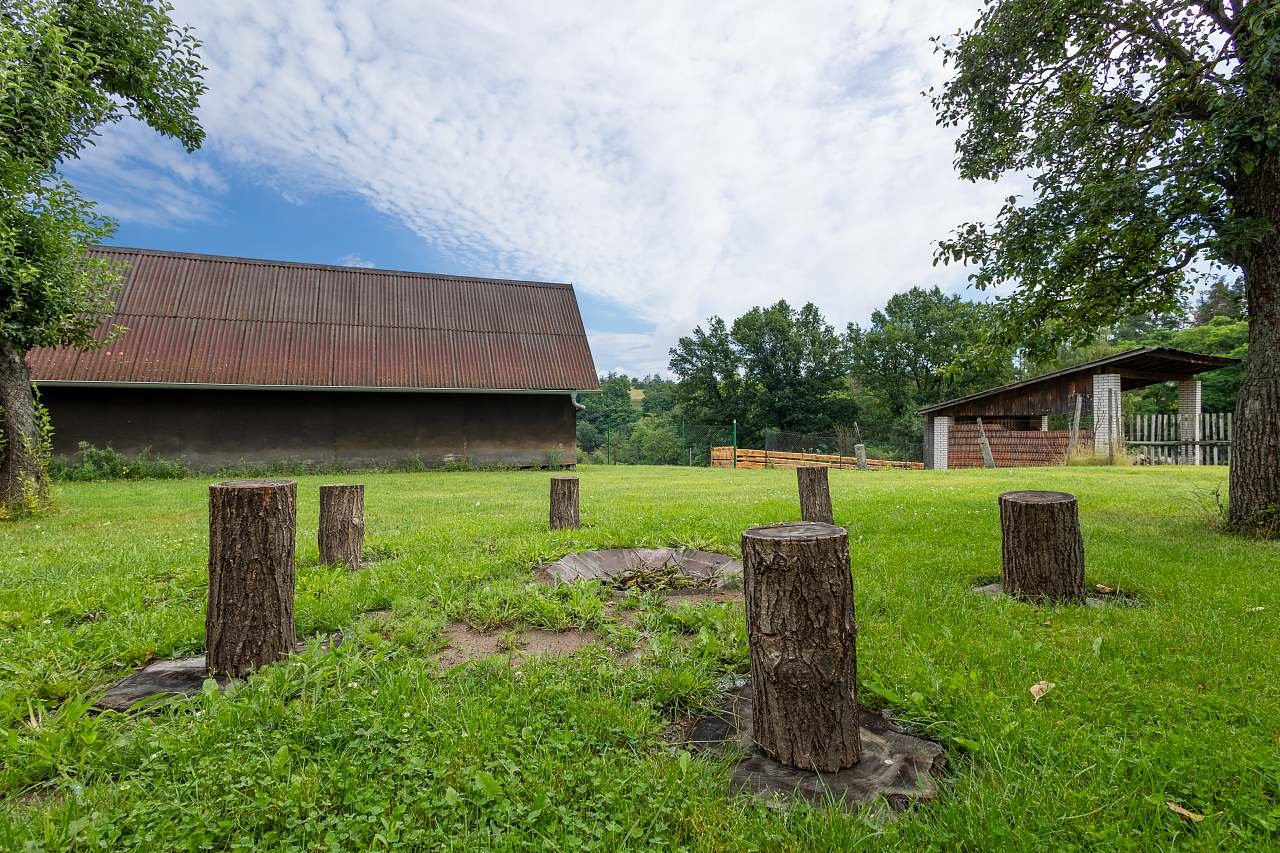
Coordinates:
1010 448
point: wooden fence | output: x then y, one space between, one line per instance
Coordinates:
1164 439
722 457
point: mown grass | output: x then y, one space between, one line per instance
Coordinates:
371 746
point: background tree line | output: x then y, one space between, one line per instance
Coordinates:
789 369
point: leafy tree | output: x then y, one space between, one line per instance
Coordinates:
68 67
653 440
1151 132
916 351
777 367
611 410
589 437
712 387
1221 388
1221 299
659 396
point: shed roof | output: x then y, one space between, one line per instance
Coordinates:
206 320
1137 368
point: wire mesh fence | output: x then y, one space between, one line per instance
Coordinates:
668 443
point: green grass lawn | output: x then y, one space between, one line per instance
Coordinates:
374 746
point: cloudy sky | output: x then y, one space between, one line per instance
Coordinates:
673 160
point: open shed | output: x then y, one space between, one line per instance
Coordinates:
1040 421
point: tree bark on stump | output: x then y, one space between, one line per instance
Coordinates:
802 636
249 623
1042 553
564 503
341 532
815 495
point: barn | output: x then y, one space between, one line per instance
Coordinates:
1040 421
226 360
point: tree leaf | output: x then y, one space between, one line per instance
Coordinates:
1040 688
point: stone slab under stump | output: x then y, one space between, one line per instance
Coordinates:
610 563
1093 599
183 677
171 678
895 767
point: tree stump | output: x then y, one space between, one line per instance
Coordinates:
249 623
802 635
1042 554
564 503
341 532
815 495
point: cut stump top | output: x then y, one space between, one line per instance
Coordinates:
793 531
1037 497
252 484
564 478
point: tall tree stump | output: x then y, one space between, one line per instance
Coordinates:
1042 553
802 636
815 495
341 531
564 503
249 623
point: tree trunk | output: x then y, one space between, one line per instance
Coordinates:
564 503
815 495
341 532
802 636
249 623
1042 554
1255 451
22 476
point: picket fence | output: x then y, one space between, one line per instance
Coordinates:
1164 439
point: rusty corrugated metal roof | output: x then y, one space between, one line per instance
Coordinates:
206 320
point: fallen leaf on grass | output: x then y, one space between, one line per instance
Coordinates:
1105 590
1187 813
1040 688
1254 609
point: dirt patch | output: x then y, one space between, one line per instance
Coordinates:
467 644
712 596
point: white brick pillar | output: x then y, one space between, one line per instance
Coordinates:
1107 426
1189 420
1044 423
941 435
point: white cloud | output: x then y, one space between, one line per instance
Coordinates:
678 158
353 260
138 176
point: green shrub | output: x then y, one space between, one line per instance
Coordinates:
107 463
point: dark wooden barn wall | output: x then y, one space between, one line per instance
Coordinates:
1055 397
212 428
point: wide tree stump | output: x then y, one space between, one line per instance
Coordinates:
341 532
564 503
815 495
249 623
802 635
1042 553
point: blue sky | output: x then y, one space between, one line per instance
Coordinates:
672 159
